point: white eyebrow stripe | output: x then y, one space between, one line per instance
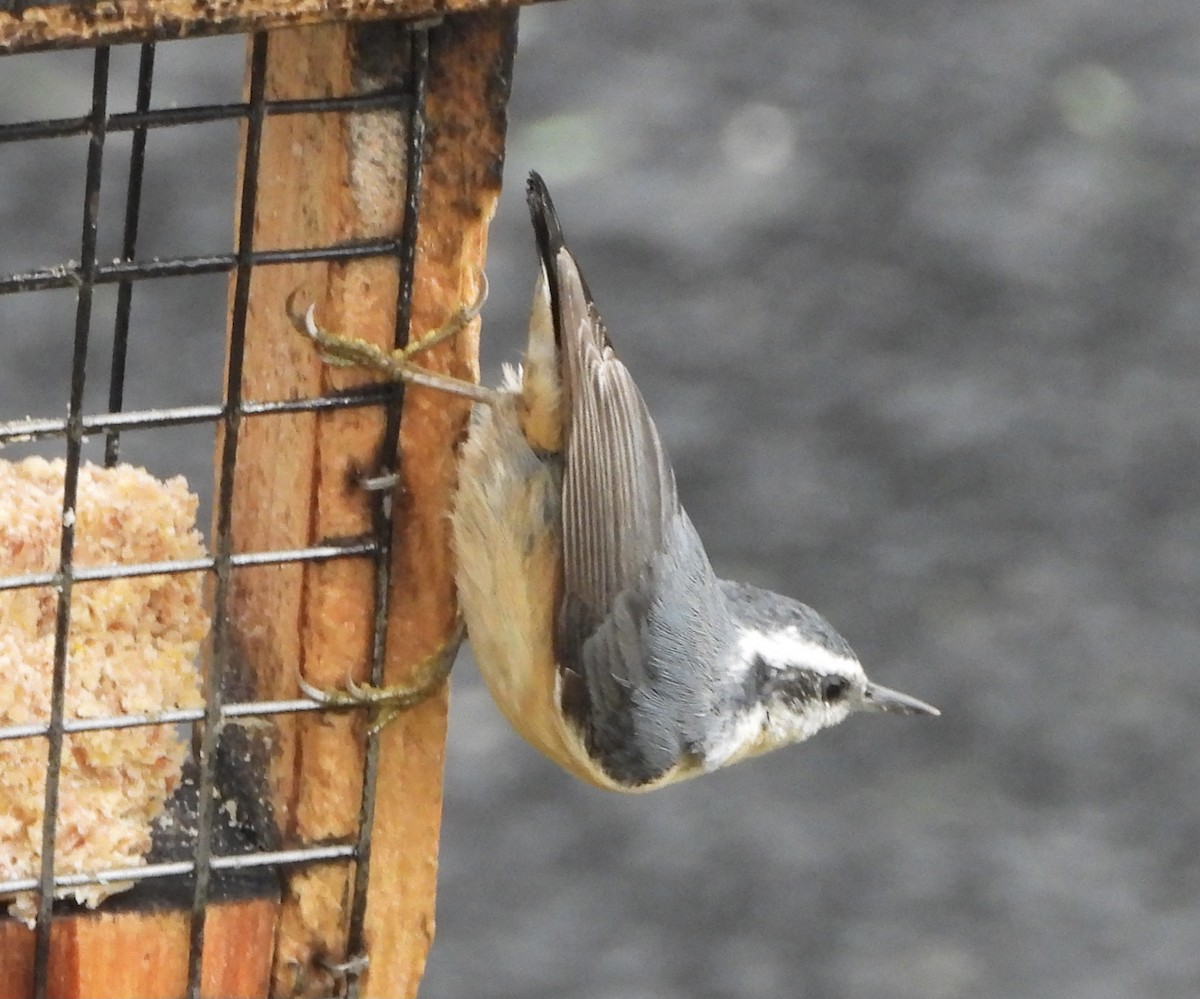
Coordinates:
788 647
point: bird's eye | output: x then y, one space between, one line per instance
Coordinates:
834 688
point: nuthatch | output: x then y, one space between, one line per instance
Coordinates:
595 616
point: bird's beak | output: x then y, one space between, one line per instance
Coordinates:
877 698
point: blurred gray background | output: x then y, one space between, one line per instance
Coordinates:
913 291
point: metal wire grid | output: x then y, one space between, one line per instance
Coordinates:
127 272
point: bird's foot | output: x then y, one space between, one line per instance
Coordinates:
386 703
344 351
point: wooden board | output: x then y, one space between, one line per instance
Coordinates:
135 955
326 178
26 27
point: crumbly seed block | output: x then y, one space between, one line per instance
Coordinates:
133 649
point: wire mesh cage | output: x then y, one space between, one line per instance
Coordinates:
151 671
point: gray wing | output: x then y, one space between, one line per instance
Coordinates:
642 618
619 495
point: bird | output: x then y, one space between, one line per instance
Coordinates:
596 618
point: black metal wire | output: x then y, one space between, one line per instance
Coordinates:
313 853
133 207
41 428
174 716
129 121
130 570
84 276
62 621
223 541
67 275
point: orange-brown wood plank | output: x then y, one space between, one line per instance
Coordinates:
326 178
469 80
136 954
109 23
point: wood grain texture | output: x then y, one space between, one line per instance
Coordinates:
144 954
27 27
326 178
469 81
